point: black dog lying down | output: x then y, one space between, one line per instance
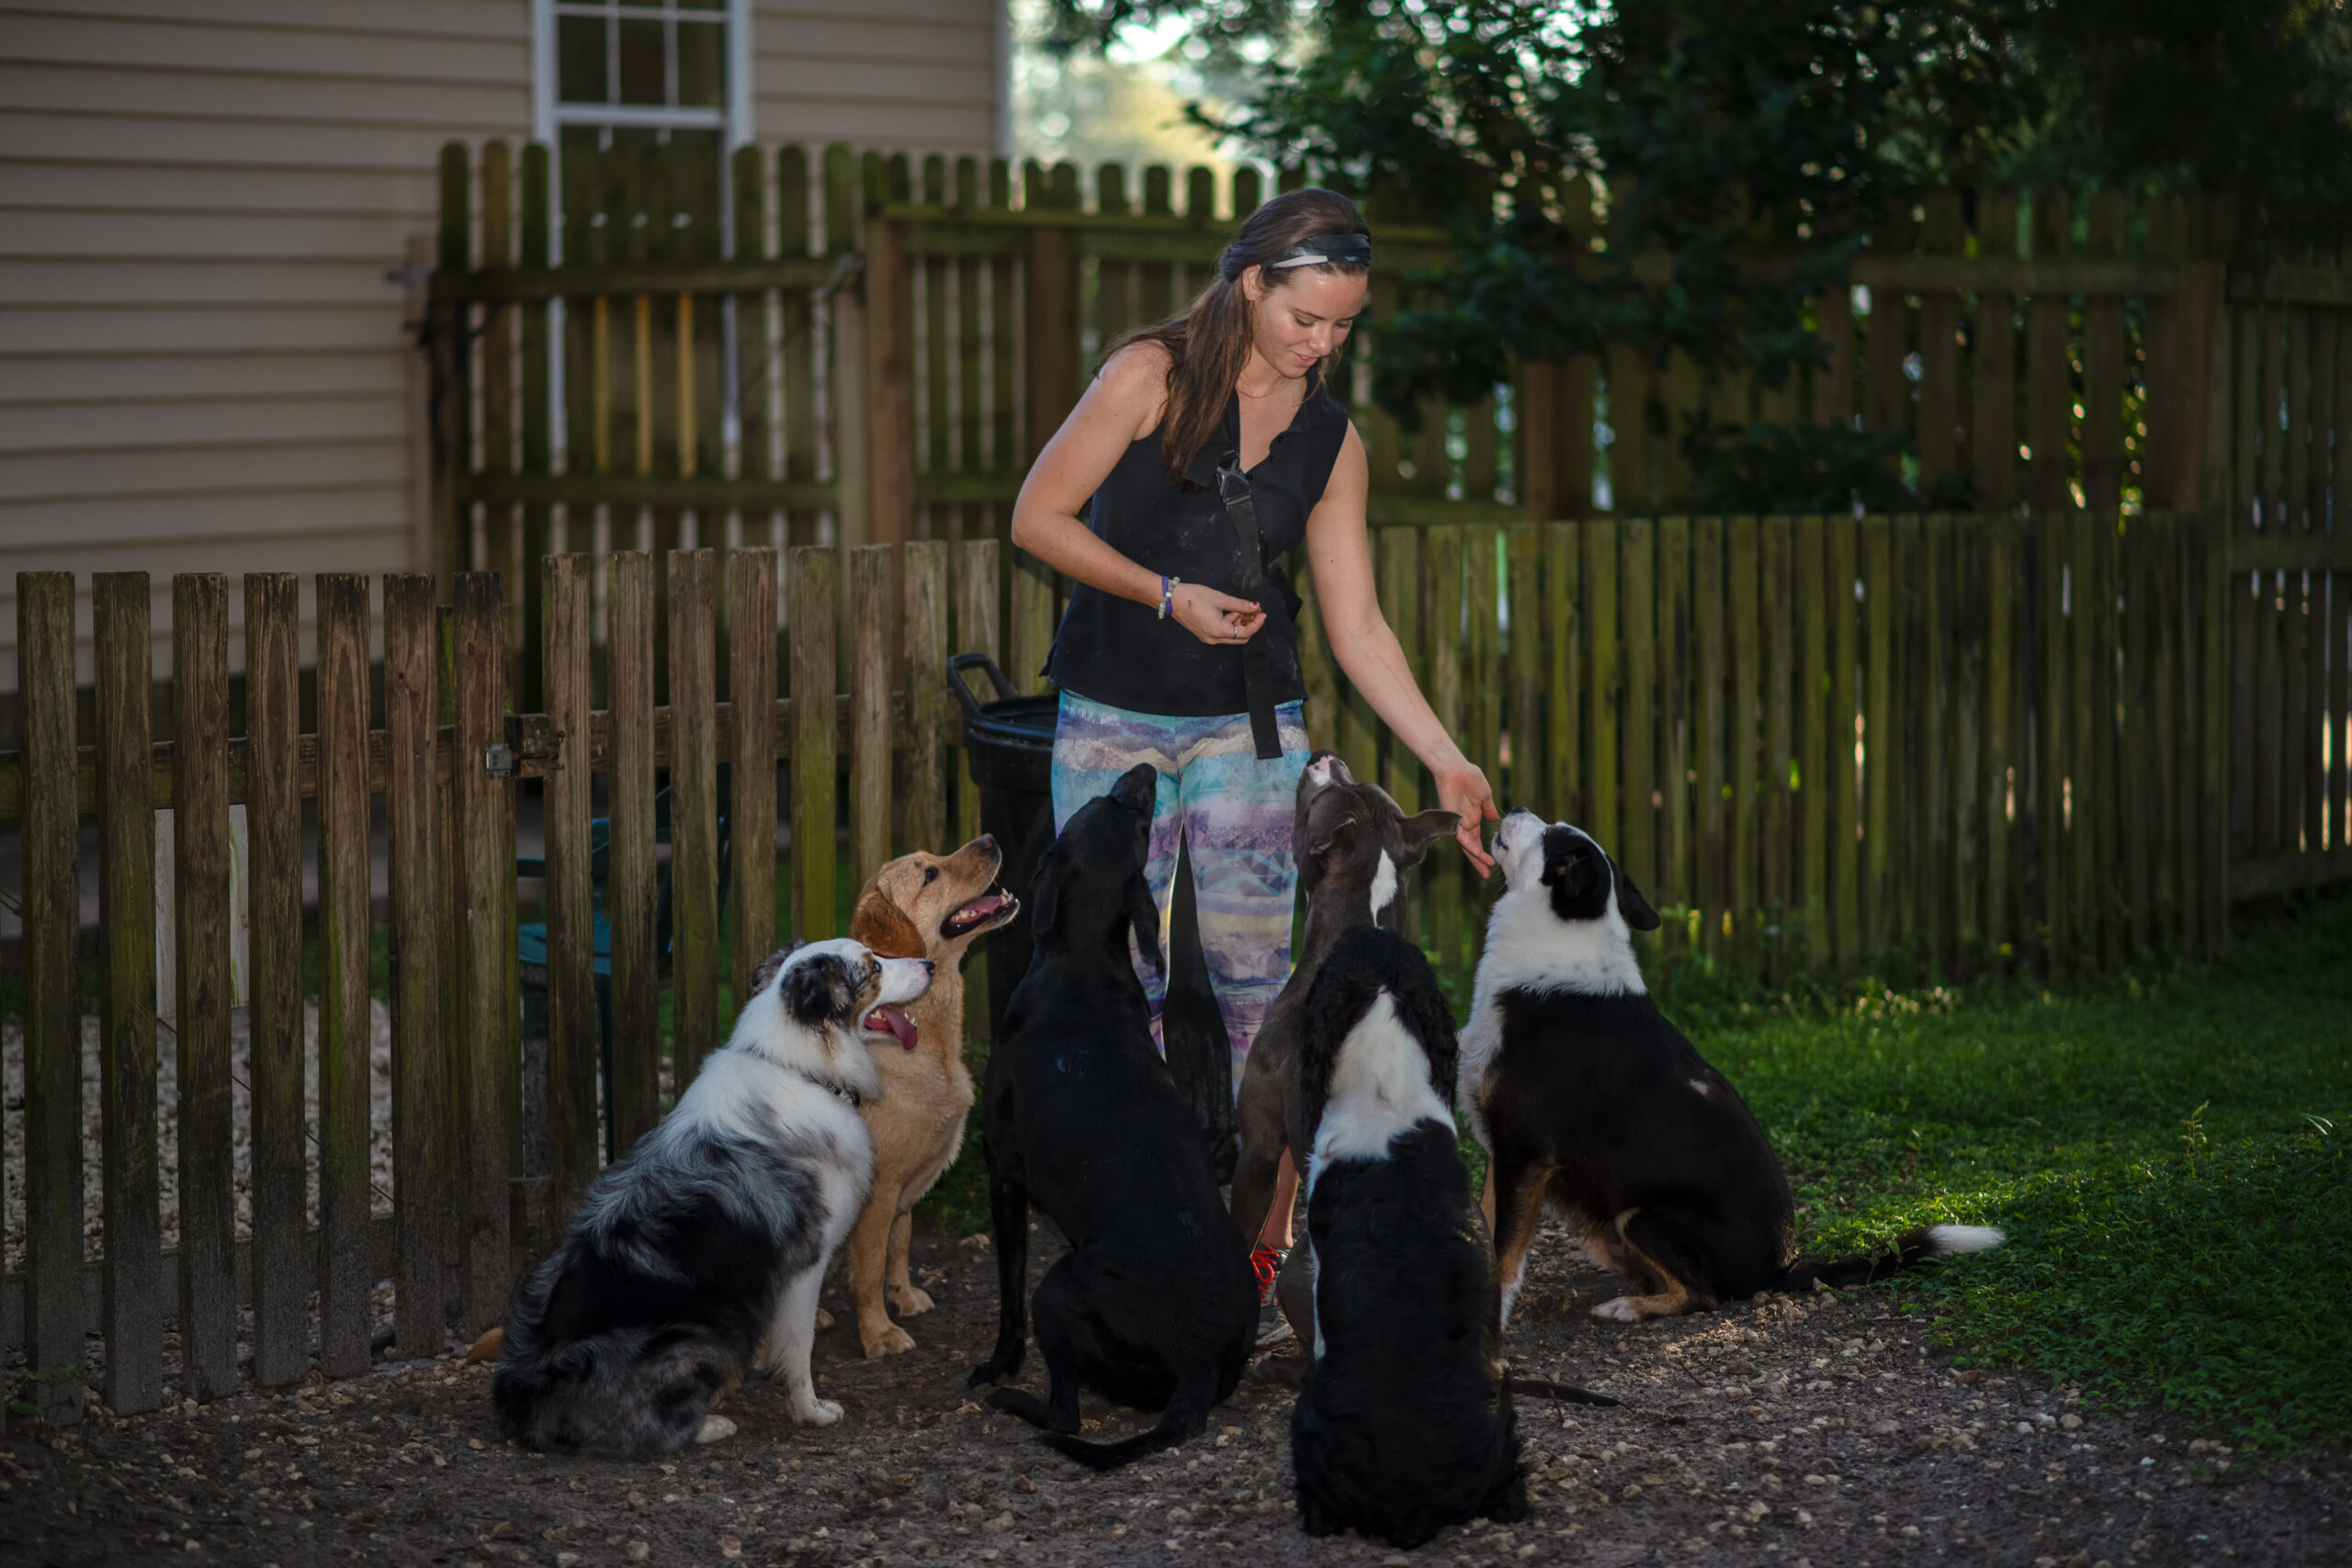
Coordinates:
1154 1306
1405 1425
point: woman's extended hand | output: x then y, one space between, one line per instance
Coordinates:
1462 789
1214 617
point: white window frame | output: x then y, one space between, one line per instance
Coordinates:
549 115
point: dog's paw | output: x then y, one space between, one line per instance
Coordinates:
910 1301
886 1340
824 1320
814 1411
1618 1309
994 1370
715 1429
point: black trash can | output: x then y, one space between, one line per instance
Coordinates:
1010 743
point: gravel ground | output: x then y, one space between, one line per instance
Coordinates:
1816 1432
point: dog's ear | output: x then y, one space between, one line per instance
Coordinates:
1043 898
1338 832
1143 915
1630 902
764 976
882 926
1423 830
820 991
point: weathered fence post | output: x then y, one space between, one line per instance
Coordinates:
566 800
133 1315
346 1272
447 338
889 382
491 1090
976 632
284 1270
207 1303
751 578
630 884
870 670
693 814
811 587
420 1191
922 633
53 917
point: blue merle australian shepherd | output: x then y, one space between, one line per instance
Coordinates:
712 1234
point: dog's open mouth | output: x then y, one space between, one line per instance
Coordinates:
887 1019
981 910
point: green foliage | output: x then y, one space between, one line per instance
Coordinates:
1709 131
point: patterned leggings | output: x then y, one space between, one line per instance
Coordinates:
1233 811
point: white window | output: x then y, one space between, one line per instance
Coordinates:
614 80
617 77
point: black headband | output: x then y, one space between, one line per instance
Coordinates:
1354 248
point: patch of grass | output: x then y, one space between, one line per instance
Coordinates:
2172 1158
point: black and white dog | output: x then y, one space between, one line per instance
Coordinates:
1405 1424
1589 1100
714 1232
1153 1306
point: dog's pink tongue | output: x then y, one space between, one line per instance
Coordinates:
886 1018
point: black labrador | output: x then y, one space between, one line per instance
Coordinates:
1154 1306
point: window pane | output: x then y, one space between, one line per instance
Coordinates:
579 60
702 63
702 4
644 76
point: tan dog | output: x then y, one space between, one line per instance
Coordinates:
919 905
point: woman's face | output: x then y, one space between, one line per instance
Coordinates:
1301 317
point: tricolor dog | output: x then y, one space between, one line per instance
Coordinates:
714 1232
1591 1103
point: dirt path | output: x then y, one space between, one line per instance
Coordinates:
1807 1434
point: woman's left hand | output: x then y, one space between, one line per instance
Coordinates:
1462 789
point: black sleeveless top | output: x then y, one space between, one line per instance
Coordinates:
1116 651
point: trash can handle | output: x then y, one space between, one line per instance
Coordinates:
961 663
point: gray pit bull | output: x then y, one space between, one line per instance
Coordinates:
1353 844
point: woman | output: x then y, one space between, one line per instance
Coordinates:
1208 446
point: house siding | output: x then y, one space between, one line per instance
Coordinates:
202 363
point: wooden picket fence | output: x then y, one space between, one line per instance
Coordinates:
1920 745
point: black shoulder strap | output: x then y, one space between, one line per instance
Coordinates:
1257 667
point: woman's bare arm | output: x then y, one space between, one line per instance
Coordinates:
1339 551
1120 406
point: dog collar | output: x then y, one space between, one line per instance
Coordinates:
840 1091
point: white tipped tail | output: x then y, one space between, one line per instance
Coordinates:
1948 1240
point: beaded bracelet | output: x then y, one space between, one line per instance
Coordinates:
1168 586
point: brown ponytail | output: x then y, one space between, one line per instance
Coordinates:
1208 345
